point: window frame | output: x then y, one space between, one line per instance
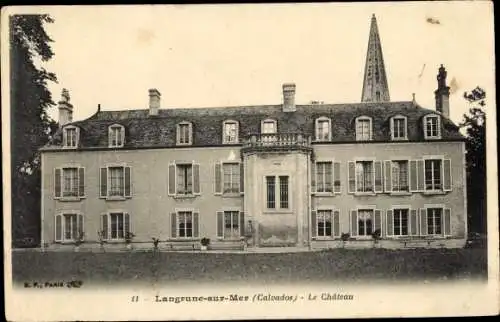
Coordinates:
393 191
224 138
108 196
372 161
441 227
393 132
373 209
109 232
78 168
192 212
439 158
316 127
62 214
121 133
65 136
438 126
237 164
408 223
269 121
370 122
190 133
277 194
332 210
175 193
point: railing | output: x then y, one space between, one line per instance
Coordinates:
278 141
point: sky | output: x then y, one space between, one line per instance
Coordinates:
227 55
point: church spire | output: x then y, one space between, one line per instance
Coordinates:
375 87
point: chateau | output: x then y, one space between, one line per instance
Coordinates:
269 175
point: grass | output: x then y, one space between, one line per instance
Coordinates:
324 266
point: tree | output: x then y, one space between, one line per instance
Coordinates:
31 126
474 124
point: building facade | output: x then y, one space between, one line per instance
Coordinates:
274 175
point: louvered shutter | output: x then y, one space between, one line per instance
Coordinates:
336 223
388 176
313 176
77 143
81 182
81 227
196 179
378 220
58 228
128 182
196 224
336 177
220 224
413 222
173 224
423 221
447 222
104 226
218 178
126 225
354 222
242 177
389 220
171 179
421 175
242 224
351 176
413 176
314 225
446 175
104 182
378 177
57 182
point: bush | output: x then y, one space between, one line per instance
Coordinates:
205 241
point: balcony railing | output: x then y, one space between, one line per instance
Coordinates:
277 141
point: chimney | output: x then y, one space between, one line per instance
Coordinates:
65 108
289 97
154 101
442 93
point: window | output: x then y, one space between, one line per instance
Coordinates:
324 223
324 177
115 225
69 227
231 224
364 176
115 182
69 182
432 127
365 222
323 129
183 179
70 137
400 222
184 133
116 136
363 128
399 176
231 177
268 126
432 174
230 132
398 126
434 218
277 192
184 224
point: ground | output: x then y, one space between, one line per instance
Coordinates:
324 266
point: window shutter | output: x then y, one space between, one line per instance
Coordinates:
65 137
110 136
122 134
220 224
313 176
378 176
336 177
104 182
218 178
354 222
126 225
242 224
413 176
196 224
351 176
378 220
81 227
58 228
196 179
81 182
77 142
336 223
421 175
57 182
178 133
423 221
242 177
104 225
128 182
171 179
173 224
389 220
190 139
447 222
388 176
413 229
314 225
446 175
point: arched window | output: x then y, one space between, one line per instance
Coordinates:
323 129
116 136
363 128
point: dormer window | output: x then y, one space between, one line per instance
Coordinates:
71 136
116 136
363 128
268 126
432 126
184 133
399 128
323 132
230 132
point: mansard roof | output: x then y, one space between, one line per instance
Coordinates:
145 131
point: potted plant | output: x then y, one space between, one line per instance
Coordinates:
376 237
156 241
102 240
204 243
78 241
128 239
345 237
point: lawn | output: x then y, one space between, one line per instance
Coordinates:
170 267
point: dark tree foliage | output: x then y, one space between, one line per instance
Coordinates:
475 125
31 126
